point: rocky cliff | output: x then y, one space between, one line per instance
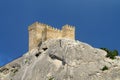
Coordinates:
62 59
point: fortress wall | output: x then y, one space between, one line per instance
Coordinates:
68 32
53 33
41 32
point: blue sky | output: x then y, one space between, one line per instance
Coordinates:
97 22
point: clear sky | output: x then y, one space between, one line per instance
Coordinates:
97 22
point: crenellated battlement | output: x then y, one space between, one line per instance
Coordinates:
68 26
39 32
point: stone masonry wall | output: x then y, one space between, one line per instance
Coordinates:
53 33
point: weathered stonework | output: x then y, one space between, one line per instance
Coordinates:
41 32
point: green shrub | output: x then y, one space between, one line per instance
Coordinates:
111 54
51 78
104 68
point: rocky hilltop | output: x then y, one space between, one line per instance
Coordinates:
62 59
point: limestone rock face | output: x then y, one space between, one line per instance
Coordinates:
62 59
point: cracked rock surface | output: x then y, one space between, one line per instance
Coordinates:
62 59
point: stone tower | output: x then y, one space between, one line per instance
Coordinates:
68 32
41 32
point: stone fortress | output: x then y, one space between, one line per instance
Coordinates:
39 33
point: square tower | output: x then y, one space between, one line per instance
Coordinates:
68 32
36 34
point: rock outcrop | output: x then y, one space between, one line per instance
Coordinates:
62 59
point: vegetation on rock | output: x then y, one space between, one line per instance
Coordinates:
111 54
51 78
104 68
